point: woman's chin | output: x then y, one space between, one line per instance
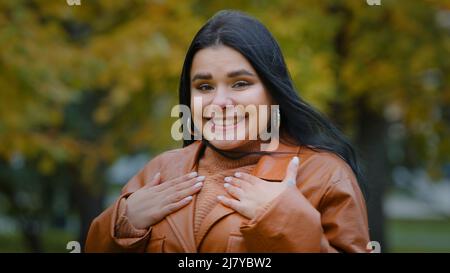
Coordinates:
228 144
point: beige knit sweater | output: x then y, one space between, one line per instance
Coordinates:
215 168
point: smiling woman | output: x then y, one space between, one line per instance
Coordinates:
227 195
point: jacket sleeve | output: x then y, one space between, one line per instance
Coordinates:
290 223
124 228
111 231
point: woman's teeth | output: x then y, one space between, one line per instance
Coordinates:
226 122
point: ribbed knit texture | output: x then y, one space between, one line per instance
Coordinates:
215 168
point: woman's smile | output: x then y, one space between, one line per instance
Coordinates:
229 123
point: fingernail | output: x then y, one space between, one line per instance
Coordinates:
227 179
156 175
220 197
295 160
198 185
226 185
188 198
238 174
200 178
192 174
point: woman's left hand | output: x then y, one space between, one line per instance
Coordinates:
250 193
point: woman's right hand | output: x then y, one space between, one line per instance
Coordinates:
151 203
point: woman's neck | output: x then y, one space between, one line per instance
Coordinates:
247 156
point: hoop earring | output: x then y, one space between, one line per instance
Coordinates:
278 119
188 124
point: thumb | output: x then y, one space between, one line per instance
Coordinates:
291 173
155 180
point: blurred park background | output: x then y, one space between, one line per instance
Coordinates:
86 92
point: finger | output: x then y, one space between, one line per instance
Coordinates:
180 194
291 172
231 203
234 191
237 182
184 185
172 207
178 180
154 181
173 190
247 177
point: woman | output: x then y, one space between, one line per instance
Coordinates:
221 195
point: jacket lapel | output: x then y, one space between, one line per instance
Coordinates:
273 167
182 221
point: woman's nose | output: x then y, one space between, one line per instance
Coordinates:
221 98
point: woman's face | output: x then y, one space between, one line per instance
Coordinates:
221 77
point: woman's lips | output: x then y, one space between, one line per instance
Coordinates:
228 124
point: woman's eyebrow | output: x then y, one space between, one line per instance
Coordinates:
232 74
240 72
201 76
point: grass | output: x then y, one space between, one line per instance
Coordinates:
418 235
53 241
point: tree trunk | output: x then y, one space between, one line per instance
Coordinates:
28 225
88 202
371 141
31 232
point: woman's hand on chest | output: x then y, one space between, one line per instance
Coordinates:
249 194
151 203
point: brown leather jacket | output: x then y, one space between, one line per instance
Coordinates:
326 214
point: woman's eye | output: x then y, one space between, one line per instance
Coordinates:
241 84
204 87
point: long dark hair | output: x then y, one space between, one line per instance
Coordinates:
299 120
